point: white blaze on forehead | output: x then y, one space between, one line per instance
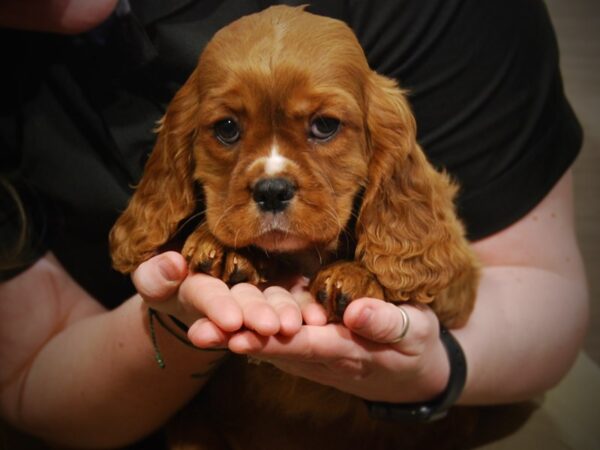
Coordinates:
275 163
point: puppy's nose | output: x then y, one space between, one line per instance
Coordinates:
273 194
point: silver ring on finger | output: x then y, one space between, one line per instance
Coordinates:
405 325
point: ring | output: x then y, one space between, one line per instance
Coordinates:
405 325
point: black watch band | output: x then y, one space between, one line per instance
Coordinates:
438 407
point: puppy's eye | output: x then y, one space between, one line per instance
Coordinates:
324 128
227 131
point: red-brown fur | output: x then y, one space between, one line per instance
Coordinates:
273 72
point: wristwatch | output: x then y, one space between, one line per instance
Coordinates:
438 407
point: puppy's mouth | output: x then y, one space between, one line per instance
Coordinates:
276 235
280 241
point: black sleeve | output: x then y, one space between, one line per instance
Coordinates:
22 217
63 183
486 89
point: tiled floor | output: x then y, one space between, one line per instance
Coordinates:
577 23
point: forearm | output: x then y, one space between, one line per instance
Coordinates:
521 338
96 383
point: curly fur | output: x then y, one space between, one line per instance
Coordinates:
273 72
408 232
165 195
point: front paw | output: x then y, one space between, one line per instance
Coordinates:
337 285
206 254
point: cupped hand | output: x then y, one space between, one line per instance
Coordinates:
209 307
362 356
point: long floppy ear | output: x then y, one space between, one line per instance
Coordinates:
408 234
165 195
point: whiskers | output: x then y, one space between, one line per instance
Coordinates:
222 216
235 238
189 220
319 255
334 216
332 219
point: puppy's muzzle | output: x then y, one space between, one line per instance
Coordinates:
273 194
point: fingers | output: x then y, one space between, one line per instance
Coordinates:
243 306
259 315
312 312
207 303
310 343
211 297
164 284
206 334
159 278
286 308
376 326
270 312
405 326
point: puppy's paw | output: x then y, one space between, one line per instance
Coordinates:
203 252
238 268
206 254
335 286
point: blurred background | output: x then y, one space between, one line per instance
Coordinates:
577 24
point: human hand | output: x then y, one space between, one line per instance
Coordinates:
361 356
211 309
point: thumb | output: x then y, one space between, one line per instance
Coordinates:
376 320
158 278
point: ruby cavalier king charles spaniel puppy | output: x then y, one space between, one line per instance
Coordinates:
289 154
297 147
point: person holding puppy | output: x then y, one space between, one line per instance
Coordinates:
73 325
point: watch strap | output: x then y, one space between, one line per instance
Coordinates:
439 406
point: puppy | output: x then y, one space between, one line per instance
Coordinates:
288 147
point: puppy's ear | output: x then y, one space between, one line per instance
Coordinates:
165 194
408 233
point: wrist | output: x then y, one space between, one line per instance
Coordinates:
173 329
428 379
435 372
174 313
437 407
166 342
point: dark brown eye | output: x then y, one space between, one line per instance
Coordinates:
227 131
324 128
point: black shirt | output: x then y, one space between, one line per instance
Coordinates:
77 112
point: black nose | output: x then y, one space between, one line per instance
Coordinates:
273 194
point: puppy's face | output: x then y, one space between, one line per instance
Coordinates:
282 123
280 147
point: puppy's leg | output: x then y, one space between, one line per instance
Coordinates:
206 254
335 286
